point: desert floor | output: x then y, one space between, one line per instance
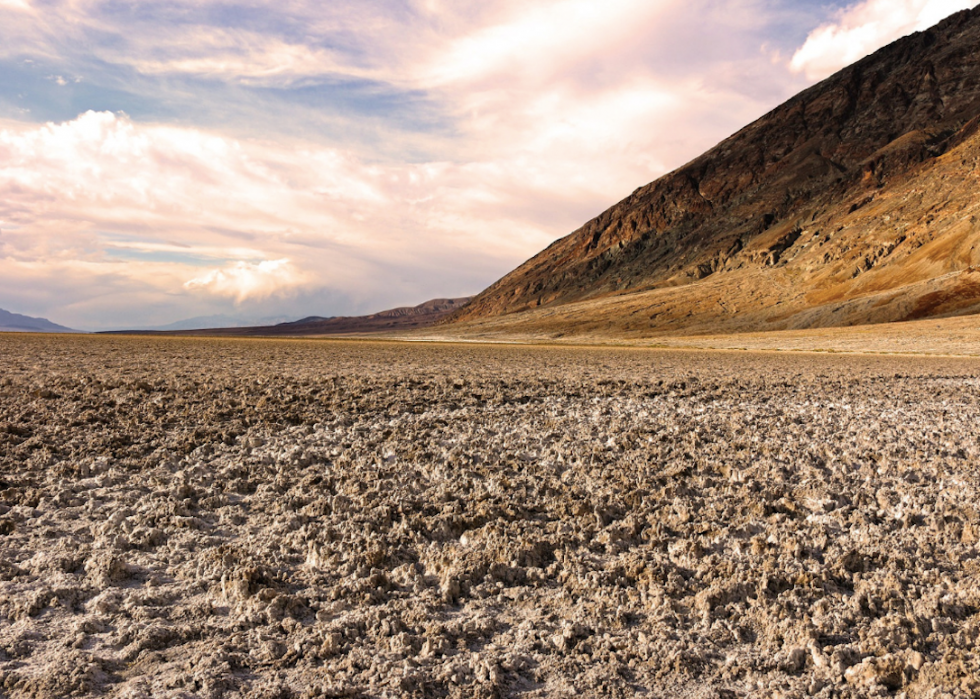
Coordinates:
955 336
250 518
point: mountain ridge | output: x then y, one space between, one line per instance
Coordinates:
15 322
390 320
205 322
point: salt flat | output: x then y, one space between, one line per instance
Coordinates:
252 518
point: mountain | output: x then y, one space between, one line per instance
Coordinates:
396 319
856 201
216 321
15 322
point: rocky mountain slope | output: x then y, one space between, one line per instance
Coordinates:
857 201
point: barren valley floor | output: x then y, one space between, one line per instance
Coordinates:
257 518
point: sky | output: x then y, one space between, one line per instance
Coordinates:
166 160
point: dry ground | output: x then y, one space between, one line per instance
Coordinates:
956 336
248 518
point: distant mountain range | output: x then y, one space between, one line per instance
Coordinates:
17 323
217 321
396 319
855 202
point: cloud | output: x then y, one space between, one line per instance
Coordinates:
540 39
865 27
240 56
154 206
18 5
246 280
390 151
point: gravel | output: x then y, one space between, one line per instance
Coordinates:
222 518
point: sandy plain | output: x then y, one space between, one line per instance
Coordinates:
257 518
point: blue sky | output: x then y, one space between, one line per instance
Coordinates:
162 160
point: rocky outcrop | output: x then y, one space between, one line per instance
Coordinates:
856 188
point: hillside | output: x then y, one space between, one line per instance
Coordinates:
854 202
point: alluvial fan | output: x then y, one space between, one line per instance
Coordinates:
203 518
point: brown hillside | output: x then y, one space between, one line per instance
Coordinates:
856 201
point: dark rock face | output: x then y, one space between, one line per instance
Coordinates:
744 213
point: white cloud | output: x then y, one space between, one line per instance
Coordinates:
865 27
21 5
541 39
246 280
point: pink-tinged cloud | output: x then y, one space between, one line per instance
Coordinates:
865 27
189 213
536 41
